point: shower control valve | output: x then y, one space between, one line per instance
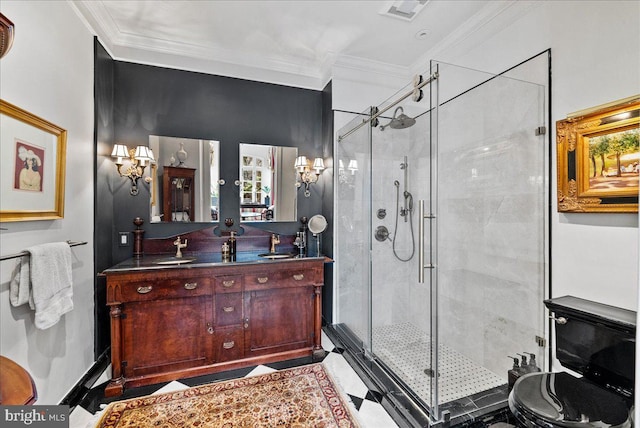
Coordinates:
382 234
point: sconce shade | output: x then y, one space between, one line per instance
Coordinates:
301 163
353 165
318 164
120 151
143 153
340 165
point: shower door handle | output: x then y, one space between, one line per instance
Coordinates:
421 264
421 241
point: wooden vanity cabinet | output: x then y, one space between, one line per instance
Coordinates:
168 324
166 334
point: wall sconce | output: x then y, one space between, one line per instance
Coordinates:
138 158
304 167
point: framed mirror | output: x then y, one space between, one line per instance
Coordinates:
267 186
184 180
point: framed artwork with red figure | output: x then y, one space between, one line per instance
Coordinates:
29 167
32 177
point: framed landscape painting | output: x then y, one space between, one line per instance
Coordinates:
599 158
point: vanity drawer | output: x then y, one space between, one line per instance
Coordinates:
262 280
228 309
228 283
296 277
229 344
165 289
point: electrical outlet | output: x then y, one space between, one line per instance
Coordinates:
124 239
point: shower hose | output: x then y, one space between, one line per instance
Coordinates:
409 197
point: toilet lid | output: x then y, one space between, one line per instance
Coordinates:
563 400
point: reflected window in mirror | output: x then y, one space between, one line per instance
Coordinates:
179 160
267 186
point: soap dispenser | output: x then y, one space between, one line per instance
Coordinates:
232 245
533 367
523 363
515 372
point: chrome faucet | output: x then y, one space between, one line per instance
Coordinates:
179 245
275 240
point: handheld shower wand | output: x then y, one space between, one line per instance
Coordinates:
404 212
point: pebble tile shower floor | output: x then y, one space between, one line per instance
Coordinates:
405 349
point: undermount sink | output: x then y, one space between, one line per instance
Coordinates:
276 255
175 261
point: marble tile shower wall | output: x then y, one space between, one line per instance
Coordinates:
397 297
491 229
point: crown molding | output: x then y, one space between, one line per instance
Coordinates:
283 70
121 46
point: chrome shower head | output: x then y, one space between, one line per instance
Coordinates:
402 121
396 183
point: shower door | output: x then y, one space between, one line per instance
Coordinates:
380 307
401 324
352 238
488 227
473 154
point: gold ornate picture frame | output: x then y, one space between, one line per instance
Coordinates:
599 158
33 156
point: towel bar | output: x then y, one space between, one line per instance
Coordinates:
26 253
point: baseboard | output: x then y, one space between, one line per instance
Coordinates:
80 389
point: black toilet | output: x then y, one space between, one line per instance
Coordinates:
596 341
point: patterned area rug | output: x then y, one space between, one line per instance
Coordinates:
300 397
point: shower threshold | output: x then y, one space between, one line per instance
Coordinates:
404 386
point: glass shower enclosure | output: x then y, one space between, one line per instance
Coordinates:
441 236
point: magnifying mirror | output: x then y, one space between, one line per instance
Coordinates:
317 224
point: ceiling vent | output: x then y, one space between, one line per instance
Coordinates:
406 10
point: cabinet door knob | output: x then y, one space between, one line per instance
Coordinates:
263 279
209 328
144 289
228 283
228 308
228 345
246 323
190 285
298 276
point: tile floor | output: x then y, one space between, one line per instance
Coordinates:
406 350
363 403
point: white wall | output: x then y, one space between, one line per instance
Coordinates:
49 72
595 59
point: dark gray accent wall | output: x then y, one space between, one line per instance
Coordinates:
159 101
103 202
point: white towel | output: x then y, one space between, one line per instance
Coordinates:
20 290
45 281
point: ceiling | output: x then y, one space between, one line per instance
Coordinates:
287 42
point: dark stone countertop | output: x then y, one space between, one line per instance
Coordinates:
198 260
